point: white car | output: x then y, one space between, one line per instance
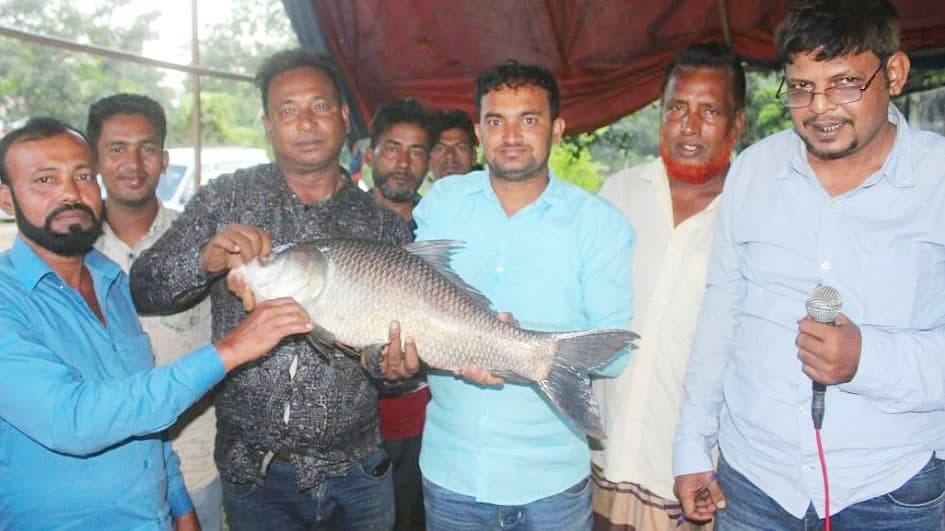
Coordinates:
176 186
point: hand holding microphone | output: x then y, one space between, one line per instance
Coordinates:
829 342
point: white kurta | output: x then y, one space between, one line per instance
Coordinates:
640 407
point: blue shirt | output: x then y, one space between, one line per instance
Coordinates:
82 406
560 263
882 246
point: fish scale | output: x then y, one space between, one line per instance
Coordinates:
354 289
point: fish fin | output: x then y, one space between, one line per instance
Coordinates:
437 254
568 385
327 346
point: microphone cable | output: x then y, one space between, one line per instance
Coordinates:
823 306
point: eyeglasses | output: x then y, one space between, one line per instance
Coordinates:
839 95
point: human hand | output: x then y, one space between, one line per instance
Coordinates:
271 321
398 360
830 354
187 522
699 494
476 374
236 244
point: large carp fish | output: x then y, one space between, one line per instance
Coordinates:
353 289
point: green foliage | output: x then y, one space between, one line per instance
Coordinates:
38 80
571 161
764 114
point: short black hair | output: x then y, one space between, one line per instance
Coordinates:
715 55
407 110
513 74
837 28
291 59
38 128
134 104
444 120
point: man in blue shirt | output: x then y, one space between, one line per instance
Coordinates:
82 407
497 456
849 199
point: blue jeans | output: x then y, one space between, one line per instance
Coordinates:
362 499
566 511
915 506
208 502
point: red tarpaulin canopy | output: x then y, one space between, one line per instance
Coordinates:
608 55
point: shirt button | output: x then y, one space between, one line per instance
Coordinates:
801 409
500 269
835 204
825 266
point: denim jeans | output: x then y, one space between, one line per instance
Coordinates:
566 511
362 499
208 502
915 506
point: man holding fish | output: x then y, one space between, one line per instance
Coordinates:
558 258
298 442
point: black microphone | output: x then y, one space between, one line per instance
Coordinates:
823 305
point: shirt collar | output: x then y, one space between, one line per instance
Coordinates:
161 222
31 269
895 167
553 194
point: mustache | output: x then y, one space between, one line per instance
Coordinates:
66 208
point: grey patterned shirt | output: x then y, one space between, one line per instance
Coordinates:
323 414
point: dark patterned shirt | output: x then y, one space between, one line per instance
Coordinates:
331 406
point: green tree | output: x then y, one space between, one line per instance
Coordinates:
571 160
40 80
764 114
237 40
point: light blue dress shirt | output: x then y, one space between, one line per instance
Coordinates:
560 263
882 245
82 406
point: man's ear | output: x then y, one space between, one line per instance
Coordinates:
557 129
738 125
6 199
897 72
267 126
369 156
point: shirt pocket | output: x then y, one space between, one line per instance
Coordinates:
134 353
903 282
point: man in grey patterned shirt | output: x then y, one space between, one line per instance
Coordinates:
297 437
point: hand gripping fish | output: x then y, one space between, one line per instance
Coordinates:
353 289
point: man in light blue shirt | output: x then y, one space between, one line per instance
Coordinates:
849 199
82 407
557 258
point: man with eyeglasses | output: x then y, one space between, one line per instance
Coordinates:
846 200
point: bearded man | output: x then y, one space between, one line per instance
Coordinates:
672 204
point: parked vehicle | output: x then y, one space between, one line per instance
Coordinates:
177 183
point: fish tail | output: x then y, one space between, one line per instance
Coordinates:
568 387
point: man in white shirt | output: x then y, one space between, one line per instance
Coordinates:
127 131
672 203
